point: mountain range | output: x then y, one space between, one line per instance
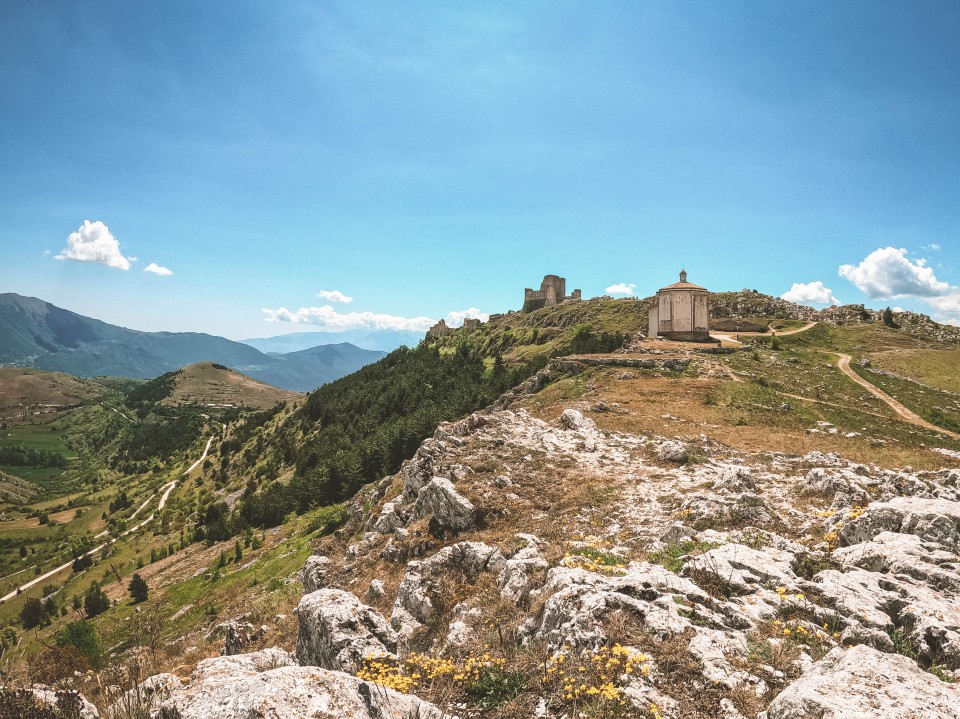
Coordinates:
384 340
35 333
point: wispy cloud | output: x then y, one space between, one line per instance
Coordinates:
456 318
887 272
810 293
327 317
621 288
334 296
157 269
93 242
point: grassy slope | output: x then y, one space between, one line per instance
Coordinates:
205 383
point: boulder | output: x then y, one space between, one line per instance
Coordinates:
672 451
147 694
421 586
517 576
449 509
573 420
862 683
290 692
337 631
69 703
314 573
935 520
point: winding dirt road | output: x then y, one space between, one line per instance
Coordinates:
902 412
167 489
729 338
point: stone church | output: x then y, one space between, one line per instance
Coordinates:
681 311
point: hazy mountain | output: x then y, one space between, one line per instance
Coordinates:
383 340
307 369
34 333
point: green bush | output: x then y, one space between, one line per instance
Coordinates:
83 636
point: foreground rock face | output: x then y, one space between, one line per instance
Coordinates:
231 690
337 631
70 703
862 683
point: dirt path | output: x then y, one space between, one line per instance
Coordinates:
902 412
167 489
727 337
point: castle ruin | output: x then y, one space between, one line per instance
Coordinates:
553 291
681 311
438 331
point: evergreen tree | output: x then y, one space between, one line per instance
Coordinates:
32 613
138 589
237 551
23 551
888 318
95 601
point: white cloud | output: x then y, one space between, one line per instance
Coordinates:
333 296
621 288
887 272
456 318
810 293
92 242
332 320
946 305
157 269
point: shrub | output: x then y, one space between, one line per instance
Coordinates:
83 636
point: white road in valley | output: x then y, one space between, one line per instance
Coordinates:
167 489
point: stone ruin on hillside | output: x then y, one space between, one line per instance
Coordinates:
441 329
553 291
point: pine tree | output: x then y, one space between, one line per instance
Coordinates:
237 551
138 589
95 601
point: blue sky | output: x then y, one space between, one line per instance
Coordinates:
428 158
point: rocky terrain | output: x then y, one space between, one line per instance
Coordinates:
517 567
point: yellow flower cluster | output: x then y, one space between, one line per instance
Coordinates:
799 633
596 675
417 671
782 593
593 554
855 512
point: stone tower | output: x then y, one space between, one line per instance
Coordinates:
681 311
553 291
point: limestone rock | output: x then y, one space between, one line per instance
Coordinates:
449 509
935 520
337 631
290 692
573 420
389 519
518 572
314 573
862 683
71 703
906 554
147 694
375 591
421 586
672 451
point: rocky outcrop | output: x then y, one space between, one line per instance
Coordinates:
421 588
68 703
449 510
861 682
935 520
314 573
337 631
225 689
